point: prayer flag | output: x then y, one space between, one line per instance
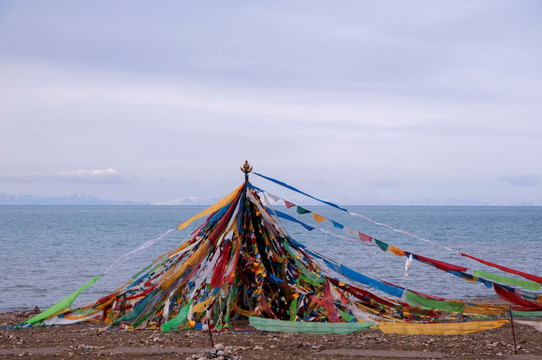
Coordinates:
288 204
318 218
364 237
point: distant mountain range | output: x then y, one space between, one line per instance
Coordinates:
190 200
84 199
76 199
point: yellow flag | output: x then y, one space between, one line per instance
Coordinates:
199 307
226 200
439 328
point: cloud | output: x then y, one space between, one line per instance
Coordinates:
108 176
384 183
189 200
523 180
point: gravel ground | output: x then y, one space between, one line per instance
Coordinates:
90 341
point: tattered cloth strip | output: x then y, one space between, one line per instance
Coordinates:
484 309
242 312
526 284
211 209
307 327
292 219
509 296
440 328
66 303
536 324
441 304
174 323
299 191
408 263
527 313
531 277
131 254
441 265
60 306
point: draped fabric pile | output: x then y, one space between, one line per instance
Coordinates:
240 263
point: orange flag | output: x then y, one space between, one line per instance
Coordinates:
318 218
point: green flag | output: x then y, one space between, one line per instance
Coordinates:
175 322
526 284
434 304
60 306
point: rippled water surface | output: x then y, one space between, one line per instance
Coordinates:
47 252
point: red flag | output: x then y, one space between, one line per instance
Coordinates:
288 204
218 271
332 314
364 237
440 264
524 304
531 277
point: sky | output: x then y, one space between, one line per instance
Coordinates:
357 102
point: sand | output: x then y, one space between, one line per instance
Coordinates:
90 341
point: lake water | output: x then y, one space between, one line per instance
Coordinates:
47 252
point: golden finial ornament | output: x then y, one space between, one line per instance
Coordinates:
246 168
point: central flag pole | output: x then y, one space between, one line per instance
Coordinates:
246 168
513 332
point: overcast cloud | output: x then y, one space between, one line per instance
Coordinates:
360 102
